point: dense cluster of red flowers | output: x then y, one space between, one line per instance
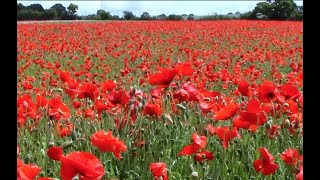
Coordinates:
90 71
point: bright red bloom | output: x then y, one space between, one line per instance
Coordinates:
65 129
158 170
198 142
119 97
290 157
184 69
299 176
65 76
87 90
265 164
252 118
152 109
289 91
192 90
244 89
225 134
58 110
106 142
273 131
181 95
227 112
267 92
55 153
200 156
27 171
164 78
108 85
85 164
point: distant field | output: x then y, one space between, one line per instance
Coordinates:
160 99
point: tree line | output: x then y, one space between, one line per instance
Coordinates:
270 9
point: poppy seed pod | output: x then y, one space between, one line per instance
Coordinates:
194 175
51 144
67 144
287 123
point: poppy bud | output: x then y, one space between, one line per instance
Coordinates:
51 144
285 104
42 152
268 124
194 175
287 123
167 117
67 144
181 107
73 136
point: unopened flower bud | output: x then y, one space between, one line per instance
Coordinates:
194 175
181 107
287 123
67 144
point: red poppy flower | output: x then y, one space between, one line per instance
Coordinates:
108 85
265 164
27 171
289 91
158 170
252 118
290 157
163 78
244 89
65 129
58 110
198 142
299 176
225 134
152 109
87 90
273 131
119 97
72 89
267 92
181 95
184 69
55 153
211 129
206 106
106 142
200 156
64 76
41 101
85 164
192 90
227 112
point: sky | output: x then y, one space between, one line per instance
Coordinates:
156 7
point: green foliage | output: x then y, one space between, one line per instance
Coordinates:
103 15
128 15
145 16
277 10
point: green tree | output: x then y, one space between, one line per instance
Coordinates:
128 15
104 15
60 10
20 7
36 7
145 16
276 9
191 17
73 8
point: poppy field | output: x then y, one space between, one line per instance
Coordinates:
160 100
